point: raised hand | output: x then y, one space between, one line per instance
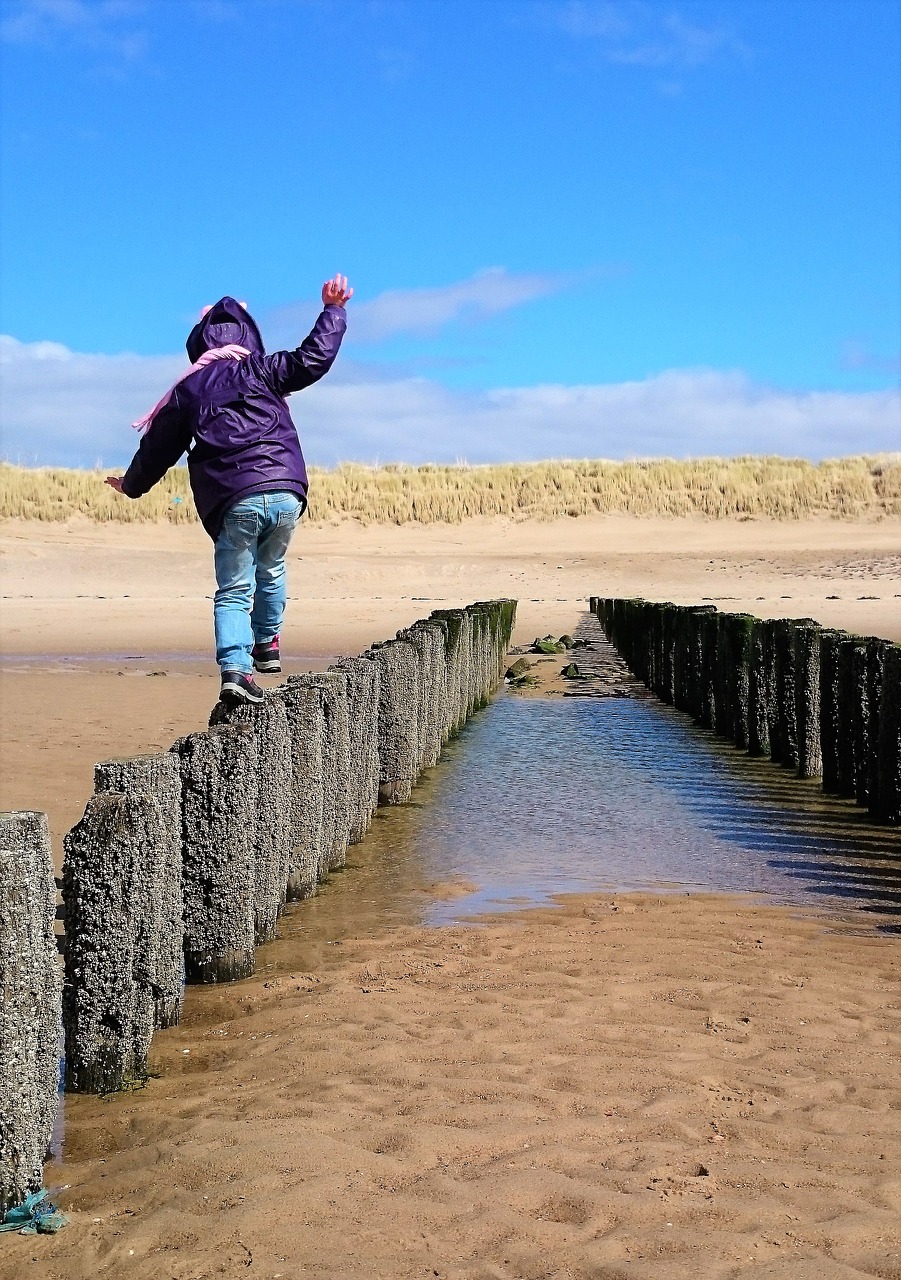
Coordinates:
335 292
114 482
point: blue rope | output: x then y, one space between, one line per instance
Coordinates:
34 1215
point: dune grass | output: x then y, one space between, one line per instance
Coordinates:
780 488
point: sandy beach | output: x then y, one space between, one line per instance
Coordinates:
618 1085
106 642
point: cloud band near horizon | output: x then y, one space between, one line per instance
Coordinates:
66 408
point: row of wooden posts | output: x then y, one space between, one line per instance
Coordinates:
184 861
824 703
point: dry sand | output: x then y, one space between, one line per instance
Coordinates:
636 1086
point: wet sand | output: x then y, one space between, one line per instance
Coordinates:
621 1087
643 1086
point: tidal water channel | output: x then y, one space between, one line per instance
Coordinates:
539 797
543 796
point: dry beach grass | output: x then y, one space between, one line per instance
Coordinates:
778 488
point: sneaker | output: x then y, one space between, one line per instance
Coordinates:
266 657
238 687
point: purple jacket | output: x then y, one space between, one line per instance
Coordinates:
231 416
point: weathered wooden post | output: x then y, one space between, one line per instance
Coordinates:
158 964
829 708
503 621
336 765
740 627
427 638
889 744
275 787
452 622
468 666
689 678
305 716
722 713
363 682
111 905
867 679
785 693
479 677
220 776
398 719
643 618
806 641
669 629
760 690
30 1010
707 683
848 713
876 650
122 889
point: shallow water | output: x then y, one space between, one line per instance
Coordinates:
578 794
539 797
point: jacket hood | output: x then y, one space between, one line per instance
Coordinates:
226 322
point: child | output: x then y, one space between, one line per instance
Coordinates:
245 465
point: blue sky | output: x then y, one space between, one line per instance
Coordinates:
574 228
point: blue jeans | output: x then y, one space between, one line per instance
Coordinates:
249 604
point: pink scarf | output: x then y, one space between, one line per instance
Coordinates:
231 352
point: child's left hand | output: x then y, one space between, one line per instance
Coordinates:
115 482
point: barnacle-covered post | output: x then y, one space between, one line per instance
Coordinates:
30 1009
427 638
306 719
866 683
707 682
452 622
785 700
275 786
111 915
807 699
830 698
398 718
847 713
363 676
760 689
160 929
220 777
876 650
889 742
336 766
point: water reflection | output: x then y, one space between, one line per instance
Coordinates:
559 796
538 797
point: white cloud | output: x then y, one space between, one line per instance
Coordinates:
424 311
71 409
108 26
677 413
68 407
639 34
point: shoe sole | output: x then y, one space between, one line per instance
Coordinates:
234 693
267 668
